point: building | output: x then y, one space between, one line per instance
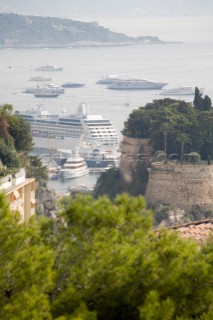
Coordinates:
20 193
197 230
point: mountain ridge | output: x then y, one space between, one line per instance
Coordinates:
34 31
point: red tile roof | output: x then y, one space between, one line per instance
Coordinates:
199 230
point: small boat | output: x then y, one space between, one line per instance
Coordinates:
75 166
72 85
100 160
40 78
180 91
46 94
136 84
49 68
51 88
80 189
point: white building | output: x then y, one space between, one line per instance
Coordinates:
20 193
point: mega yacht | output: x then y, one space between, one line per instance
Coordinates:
75 166
62 131
49 68
136 84
180 91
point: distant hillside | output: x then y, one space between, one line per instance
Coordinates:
32 31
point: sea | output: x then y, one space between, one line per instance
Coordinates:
186 59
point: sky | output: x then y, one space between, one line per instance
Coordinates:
94 9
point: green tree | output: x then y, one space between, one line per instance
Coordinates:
8 156
182 139
20 131
110 183
35 169
101 260
207 103
198 100
26 269
121 268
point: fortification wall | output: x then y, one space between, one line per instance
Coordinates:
130 148
189 187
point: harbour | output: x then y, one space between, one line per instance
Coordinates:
178 64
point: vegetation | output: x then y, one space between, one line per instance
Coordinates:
111 183
175 126
176 129
15 145
37 31
101 260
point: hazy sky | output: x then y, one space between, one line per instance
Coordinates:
133 17
107 8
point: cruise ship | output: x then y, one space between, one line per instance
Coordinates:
61 131
136 84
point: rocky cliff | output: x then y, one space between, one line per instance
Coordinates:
132 150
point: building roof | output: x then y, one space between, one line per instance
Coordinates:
198 230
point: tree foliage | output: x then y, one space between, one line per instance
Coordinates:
110 183
168 121
15 137
101 260
16 143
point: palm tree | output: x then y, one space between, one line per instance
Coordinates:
183 139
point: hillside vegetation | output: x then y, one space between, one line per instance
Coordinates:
176 130
32 31
101 260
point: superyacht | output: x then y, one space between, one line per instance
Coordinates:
136 84
75 166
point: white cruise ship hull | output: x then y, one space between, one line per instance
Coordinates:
83 130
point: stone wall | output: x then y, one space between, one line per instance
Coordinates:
130 148
189 187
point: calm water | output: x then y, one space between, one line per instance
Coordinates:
177 64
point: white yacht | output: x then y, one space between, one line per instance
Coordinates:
63 131
180 91
49 68
136 84
75 166
50 88
40 78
